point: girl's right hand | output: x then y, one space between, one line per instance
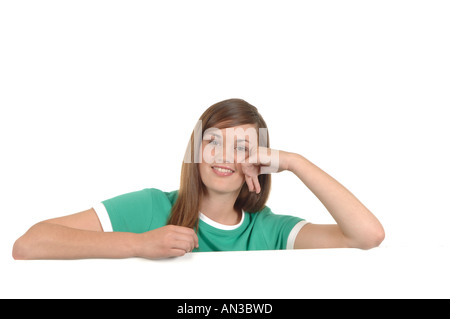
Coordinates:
167 241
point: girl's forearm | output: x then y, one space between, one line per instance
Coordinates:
51 241
353 218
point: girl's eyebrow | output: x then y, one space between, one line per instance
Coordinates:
208 135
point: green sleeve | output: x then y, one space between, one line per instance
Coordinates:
139 211
276 228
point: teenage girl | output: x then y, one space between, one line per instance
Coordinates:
220 204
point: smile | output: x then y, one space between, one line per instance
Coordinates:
222 171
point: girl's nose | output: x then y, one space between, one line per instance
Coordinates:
224 154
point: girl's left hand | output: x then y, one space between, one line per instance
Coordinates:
262 160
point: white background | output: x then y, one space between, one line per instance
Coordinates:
98 98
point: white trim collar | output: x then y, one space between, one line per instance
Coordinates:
217 225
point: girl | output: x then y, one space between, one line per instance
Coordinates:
220 205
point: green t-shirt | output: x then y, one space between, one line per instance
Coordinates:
148 209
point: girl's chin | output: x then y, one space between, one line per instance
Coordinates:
223 189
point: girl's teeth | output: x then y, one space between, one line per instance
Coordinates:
223 170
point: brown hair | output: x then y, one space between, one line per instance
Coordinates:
228 113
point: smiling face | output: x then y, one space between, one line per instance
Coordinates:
206 168
222 152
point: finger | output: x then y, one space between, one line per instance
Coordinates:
187 239
182 229
256 184
245 167
195 239
253 159
176 252
181 244
249 182
187 231
190 232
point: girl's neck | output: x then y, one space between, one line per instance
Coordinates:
220 207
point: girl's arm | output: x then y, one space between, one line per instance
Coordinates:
356 226
81 236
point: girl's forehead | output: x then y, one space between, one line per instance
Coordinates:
235 132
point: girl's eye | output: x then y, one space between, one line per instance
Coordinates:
241 148
214 142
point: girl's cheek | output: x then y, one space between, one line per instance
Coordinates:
239 170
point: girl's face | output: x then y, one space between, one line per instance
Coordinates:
222 152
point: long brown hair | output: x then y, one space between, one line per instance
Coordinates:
228 113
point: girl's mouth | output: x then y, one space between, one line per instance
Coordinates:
222 170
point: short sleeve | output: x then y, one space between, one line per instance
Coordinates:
279 229
139 211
